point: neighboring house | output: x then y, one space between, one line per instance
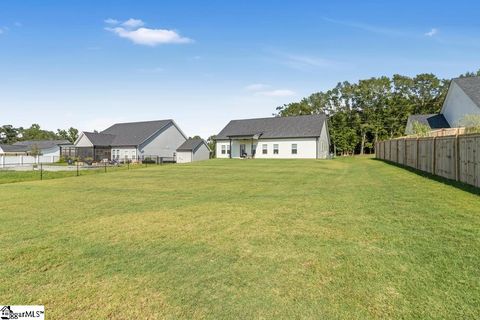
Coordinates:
276 138
463 98
433 121
47 148
193 150
131 141
11 150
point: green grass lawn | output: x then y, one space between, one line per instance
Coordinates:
348 238
9 176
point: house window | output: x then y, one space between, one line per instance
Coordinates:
264 149
275 149
294 148
224 148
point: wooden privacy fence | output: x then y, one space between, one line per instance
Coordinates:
452 157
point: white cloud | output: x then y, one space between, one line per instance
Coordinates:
432 32
277 93
133 23
150 37
111 21
132 29
257 87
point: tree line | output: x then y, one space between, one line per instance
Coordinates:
10 134
374 109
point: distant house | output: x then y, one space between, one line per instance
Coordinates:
463 98
275 138
47 148
11 150
433 121
193 150
131 141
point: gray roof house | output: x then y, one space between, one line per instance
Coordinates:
194 149
275 137
51 148
463 98
131 141
434 121
9 149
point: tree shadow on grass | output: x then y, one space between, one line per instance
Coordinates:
453 183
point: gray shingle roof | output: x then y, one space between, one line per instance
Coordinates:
127 134
99 139
42 144
275 127
434 121
13 148
134 133
191 144
471 87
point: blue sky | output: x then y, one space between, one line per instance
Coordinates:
89 64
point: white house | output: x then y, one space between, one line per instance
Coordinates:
299 137
46 148
463 98
131 141
193 150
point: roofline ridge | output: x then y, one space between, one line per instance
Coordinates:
274 117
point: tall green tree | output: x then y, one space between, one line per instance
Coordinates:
373 109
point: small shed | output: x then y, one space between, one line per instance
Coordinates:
193 149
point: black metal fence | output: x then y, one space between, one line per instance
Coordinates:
40 171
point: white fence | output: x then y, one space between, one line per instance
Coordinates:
14 161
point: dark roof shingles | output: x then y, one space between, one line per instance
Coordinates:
42 144
471 87
276 127
191 145
134 133
434 121
14 148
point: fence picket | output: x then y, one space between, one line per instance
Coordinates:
452 157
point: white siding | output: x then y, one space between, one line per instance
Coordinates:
202 153
306 148
83 141
164 143
124 153
52 152
184 156
218 147
457 104
323 143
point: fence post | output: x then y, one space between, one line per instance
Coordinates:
41 171
105 165
457 158
161 161
434 155
77 169
417 157
398 161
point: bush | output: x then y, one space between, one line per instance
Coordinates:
148 160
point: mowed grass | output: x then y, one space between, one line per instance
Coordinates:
10 176
348 238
